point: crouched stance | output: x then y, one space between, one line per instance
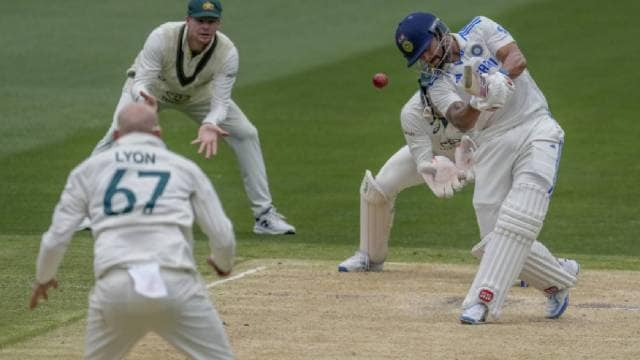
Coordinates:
142 201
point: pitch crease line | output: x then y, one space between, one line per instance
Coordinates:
236 277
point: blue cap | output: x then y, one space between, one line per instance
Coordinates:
204 9
414 34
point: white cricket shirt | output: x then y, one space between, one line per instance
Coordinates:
208 76
481 39
142 200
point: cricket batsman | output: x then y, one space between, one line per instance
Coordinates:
480 82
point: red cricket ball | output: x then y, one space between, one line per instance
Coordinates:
380 80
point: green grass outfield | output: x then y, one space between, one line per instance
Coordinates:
305 83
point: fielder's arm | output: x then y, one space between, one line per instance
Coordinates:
414 120
68 214
148 64
438 172
214 223
220 85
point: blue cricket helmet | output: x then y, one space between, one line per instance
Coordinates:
415 32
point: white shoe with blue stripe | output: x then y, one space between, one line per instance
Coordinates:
476 314
558 302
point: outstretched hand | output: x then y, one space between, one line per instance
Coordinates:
216 268
150 100
40 291
208 139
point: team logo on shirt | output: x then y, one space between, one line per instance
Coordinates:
476 50
208 6
174 98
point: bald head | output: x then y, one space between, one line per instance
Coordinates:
137 117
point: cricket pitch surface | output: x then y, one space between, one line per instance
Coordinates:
294 309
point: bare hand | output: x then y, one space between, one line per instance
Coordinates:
216 268
40 291
150 100
208 139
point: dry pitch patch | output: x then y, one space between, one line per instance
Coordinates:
307 310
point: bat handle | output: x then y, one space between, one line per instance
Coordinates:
467 76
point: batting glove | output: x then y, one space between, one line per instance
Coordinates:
495 90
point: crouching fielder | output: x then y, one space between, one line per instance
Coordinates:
142 201
427 158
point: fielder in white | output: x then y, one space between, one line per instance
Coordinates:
516 160
427 158
191 67
142 200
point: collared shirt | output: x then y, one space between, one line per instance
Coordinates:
479 42
155 70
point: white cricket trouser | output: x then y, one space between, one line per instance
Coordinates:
398 173
521 164
503 162
243 139
118 317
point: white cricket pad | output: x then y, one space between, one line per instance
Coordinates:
508 246
376 219
543 271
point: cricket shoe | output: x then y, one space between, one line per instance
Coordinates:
476 314
359 262
558 301
271 222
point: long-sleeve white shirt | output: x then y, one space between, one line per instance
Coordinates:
142 200
479 42
155 70
427 134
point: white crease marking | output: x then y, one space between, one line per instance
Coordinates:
236 277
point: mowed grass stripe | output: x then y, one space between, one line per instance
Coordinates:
322 127
73 58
